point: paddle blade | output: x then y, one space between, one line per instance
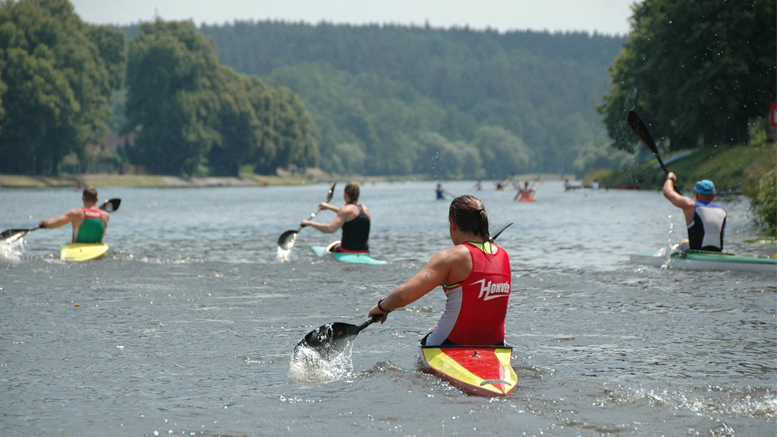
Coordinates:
331 193
111 205
641 130
18 233
287 239
502 229
330 339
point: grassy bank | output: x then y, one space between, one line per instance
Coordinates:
750 170
731 169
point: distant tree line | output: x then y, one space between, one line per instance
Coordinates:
445 102
193 116
189 114
698 71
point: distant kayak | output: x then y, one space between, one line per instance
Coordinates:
82 251
527 199
346 257
476 370
709 261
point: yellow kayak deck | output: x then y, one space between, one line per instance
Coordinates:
82 251
477 370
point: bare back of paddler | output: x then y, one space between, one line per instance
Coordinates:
89 223
354 219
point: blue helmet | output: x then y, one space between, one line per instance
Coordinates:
705 187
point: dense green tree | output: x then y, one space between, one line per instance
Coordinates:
237 125
503 153
695 70
441 158
172 98
59 73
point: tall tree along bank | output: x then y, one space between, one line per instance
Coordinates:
193 116
56 76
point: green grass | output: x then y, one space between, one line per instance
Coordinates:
728 167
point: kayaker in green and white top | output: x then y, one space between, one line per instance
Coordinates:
475 276
89 223
706 220
354 218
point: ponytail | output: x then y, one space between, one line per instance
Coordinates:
469 214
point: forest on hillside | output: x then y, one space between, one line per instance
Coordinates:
442 102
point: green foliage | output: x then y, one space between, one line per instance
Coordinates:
699 70
57 74
761 186
191 114
382 88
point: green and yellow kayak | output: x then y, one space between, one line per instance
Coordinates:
476 370
82 251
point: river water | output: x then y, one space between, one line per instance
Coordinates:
188 325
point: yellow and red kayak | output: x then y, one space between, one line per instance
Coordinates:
82 251
477 370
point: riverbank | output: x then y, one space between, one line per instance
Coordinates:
732 169
155 181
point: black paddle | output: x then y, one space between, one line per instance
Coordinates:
286 240
110 205
330 339
642 132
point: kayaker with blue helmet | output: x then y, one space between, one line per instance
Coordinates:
706 220
89 223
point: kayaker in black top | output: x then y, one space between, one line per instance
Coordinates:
353 217
706 220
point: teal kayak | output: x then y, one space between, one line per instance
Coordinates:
701 260
346 257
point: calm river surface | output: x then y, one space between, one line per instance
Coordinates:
187 326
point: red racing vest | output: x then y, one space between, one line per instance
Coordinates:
476 308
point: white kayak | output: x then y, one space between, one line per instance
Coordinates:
702 260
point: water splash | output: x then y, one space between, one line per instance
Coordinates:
284 252
667 252
307 365
12 250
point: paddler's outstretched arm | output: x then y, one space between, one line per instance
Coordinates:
343 215
452 264
685 203
62 220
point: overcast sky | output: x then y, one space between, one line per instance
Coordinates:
604 16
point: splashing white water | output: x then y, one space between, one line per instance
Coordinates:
12 250
307 365
284 255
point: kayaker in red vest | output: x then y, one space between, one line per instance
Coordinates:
89 223
353 217
525 193
475 276
706 221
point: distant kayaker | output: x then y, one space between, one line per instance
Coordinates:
525 193
475 276
89 223
706 220
441 192
353 217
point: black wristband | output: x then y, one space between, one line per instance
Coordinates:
381 308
